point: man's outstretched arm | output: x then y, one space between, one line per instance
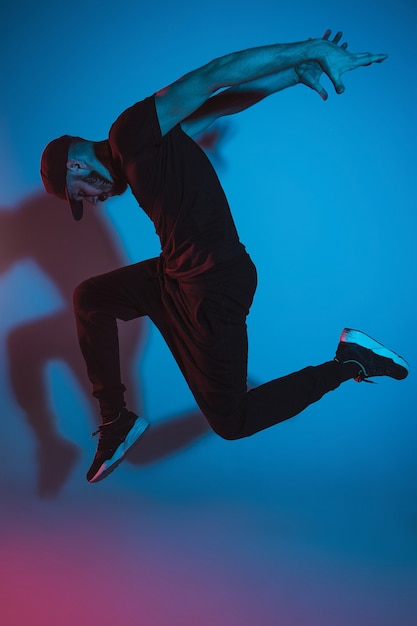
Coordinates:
178 101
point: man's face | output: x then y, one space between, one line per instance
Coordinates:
92 187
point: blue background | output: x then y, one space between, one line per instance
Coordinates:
313 522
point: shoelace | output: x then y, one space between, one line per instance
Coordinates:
102 426
364 379
361 376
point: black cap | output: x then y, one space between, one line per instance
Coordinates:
54 172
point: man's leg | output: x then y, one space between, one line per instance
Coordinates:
285 397
99 302
207 335
123 294
358 356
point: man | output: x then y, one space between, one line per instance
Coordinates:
199 291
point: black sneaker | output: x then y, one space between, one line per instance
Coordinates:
372 357
115 440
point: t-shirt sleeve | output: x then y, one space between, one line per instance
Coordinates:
135 130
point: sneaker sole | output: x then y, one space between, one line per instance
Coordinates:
133 436
350 335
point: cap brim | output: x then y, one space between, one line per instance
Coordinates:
76 206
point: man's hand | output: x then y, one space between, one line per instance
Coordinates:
310 73
333 60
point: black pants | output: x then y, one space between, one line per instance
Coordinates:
203 321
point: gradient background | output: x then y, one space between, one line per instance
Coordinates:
311 523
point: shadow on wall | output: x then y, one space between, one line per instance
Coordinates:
41 229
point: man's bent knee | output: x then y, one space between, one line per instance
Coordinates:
85 295
225 412
229 427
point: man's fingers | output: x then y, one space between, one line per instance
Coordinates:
337 37
320 90
316 86
372 58
323 93
361 59
337 82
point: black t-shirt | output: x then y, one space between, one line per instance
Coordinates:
177 187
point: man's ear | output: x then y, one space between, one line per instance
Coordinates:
74 165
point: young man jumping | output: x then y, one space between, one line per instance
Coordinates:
199 290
